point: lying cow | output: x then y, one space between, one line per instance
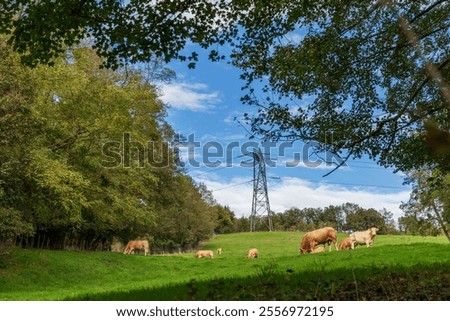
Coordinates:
137 245
364 237
316 237
204 253
252 254
345 244
320 249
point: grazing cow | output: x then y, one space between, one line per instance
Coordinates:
345 244
137 245
320 236
252 254
219 251
204 253
320 249
364 237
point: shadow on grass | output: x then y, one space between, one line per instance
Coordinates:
419 282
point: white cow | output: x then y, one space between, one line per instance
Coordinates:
364 237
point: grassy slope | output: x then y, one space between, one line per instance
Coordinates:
416 264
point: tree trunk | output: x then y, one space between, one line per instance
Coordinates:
441 221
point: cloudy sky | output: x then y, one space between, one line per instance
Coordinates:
204 106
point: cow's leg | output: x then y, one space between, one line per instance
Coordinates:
329 245
353 244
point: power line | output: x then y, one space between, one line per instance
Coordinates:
226 187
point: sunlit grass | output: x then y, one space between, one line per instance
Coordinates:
29 274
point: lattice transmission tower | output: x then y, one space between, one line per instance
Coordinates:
260 205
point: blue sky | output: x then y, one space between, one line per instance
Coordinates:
203 104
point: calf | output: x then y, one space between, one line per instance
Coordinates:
320 249
203 253
252 254
345 244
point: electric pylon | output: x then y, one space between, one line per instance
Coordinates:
260 205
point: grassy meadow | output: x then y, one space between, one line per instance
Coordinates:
397 267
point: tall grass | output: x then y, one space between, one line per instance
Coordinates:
279 273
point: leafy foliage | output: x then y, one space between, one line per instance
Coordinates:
122 32
360 78
346 217
357 77
85 158
428 209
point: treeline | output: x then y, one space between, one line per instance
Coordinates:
344 218
85 159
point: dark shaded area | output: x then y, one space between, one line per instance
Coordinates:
416 283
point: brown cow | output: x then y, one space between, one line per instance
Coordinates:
137 245
345 244
204 253
320 236
252 254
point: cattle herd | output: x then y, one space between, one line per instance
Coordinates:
328 235
310 243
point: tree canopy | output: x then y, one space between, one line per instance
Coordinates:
428 208
85 159
120 31
356 77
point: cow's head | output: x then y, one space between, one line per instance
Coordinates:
303 251
373 230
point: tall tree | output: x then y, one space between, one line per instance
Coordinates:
429 202
84 157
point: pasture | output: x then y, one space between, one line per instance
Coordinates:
397 267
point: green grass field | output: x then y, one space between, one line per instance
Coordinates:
395 268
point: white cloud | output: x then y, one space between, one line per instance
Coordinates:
189 96
294 192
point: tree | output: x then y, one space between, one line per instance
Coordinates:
414 224
122 32
333 216
355 77
225 219
365 77
429 203
84 158
363 219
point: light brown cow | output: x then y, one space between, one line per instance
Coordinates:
363 237
345 244
252 254
320 236
320 249
204 253
137 245
219 251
